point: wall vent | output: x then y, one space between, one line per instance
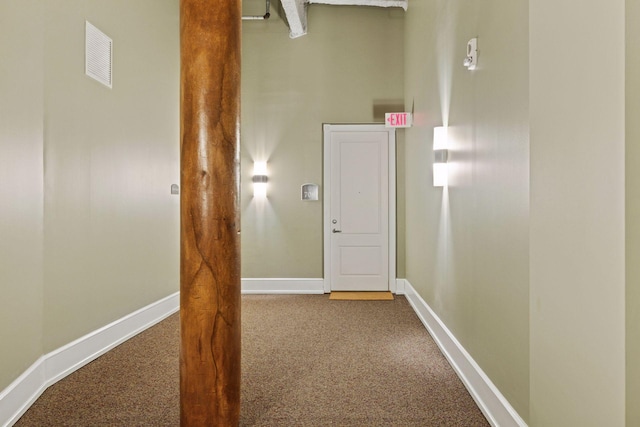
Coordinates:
98 55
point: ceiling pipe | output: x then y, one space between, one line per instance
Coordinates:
259 17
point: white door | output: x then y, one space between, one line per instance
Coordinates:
357 209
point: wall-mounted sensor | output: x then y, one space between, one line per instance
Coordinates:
309 192
471 60
175 189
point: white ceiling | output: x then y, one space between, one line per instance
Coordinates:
296 10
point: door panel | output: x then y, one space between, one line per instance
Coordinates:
360 260
359 214
359 186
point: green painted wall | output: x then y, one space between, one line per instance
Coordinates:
632 219
577 213
348 69
111 226
21 194
467 250
89 230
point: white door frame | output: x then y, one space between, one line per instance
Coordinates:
326 218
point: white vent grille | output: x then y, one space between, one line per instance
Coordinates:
98 55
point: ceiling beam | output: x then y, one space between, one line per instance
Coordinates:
296 10
379 3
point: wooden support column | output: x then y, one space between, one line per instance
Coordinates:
210 33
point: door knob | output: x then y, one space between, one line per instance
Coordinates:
337 231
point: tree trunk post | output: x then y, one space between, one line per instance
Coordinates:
210 37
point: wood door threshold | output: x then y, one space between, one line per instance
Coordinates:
361 296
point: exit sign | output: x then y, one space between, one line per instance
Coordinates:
398 120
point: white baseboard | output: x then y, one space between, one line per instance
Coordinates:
493 404
52 367
283 286
20 395
400 286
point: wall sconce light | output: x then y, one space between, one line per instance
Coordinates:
260 179
440 156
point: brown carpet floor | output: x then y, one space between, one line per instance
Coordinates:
307 361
